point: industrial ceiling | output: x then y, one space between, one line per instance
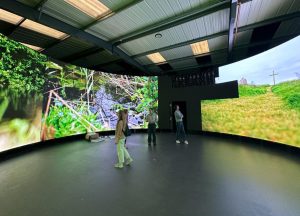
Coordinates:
150 37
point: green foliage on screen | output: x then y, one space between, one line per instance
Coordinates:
21 69
66 122
250 90
289 92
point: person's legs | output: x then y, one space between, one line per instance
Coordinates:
149 134
177 131
120 152
154 135
183 132
127 156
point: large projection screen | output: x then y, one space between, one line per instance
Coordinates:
268 106
42 99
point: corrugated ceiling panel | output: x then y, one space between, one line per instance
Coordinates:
288 27
183 63
31 37
115 4
31 3
259 10
66 13
96 59
97 34
243 37
178 52
217 22
218 43
179 33
68 47
143 14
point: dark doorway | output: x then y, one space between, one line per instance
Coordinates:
182 108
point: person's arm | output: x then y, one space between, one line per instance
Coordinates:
119 131
156 118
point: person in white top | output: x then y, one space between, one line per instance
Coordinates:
180 133
152 120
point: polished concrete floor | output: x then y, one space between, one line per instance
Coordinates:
209 177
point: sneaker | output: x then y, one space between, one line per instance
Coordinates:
117 165
177 141
128 162
186 142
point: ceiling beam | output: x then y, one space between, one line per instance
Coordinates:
171 22
82 54
38 6
31 13
240 29
232 21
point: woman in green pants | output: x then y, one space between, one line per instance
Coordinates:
120 140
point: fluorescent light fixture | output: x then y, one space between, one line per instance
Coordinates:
156 58
10 17
34 26
92 8
200 47
33 47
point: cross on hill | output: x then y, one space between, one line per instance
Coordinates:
273 75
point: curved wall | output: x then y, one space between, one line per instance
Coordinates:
268 106
42 99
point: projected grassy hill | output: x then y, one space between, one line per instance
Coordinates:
265 112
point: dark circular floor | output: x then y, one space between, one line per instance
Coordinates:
210 176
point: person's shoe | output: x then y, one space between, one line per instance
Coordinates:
129 161
154 144
186 142
117 165
177 141
149 144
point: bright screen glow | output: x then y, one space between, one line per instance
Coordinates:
268 106
41 100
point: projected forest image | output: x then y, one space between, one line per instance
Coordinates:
268 106
82 100
41 99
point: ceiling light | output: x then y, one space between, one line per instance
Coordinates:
200 47
10 17
158 35
34 26
156 58
33 47
92 8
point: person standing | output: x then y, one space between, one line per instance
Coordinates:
180 133
120 140
152 120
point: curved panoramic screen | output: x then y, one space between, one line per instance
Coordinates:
268 106
43 100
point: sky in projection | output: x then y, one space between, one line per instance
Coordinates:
283 59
